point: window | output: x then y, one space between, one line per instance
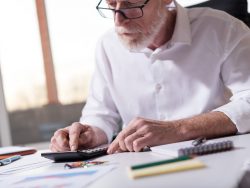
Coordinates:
75 27
73 37
21 57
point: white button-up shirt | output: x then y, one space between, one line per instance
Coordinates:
204 67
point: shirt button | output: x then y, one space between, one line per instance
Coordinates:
158 87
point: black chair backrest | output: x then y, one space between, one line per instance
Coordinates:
237 8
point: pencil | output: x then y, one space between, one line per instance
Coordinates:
146 165
166 168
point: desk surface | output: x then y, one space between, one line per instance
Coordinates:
223 169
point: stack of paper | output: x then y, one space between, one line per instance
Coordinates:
28 162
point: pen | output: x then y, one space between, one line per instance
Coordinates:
199 141
177 159
9 160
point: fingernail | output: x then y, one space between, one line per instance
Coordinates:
73 148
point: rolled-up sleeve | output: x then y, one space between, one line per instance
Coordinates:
235 73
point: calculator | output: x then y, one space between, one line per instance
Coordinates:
80 155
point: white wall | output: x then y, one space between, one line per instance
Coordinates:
190 2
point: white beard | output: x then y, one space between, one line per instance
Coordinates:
145 38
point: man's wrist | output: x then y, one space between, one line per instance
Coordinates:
182 131
100 137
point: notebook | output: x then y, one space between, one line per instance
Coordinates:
186 148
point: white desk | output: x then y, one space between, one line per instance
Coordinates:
223 169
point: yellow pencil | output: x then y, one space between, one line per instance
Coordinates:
166 168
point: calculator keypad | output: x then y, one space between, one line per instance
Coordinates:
94 150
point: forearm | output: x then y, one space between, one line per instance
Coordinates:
142 132
209 125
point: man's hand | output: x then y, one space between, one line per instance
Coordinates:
142 132
77 136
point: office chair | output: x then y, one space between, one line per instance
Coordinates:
236 8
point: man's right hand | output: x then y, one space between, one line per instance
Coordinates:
77 136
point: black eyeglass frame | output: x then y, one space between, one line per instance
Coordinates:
121 10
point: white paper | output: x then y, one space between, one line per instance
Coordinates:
63 178
27 162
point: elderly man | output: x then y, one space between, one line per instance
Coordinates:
166 74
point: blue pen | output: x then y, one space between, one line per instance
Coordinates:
9 160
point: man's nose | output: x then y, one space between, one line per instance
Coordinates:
119 19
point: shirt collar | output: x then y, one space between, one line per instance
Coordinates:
182 31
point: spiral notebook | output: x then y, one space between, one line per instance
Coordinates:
186 148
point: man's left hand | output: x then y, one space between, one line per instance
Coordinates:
141 133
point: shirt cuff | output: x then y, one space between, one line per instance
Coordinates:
239 113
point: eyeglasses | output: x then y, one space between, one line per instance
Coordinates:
130 12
